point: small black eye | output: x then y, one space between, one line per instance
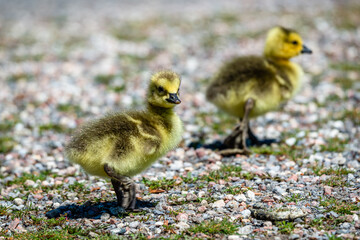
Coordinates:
295 42
160 89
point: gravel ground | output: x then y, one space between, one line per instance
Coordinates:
65 62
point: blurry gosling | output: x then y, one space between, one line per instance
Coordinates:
121 145
249 86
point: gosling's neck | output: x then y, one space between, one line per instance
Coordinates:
278 61
289 71
160 111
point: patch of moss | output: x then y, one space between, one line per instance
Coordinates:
6 144
76 187
105 79
294 198
68 108
210 40
52 222
318 223
140 60
135 31
345 83
28 176
214 227
346 15
334 237
224 172
19 77
117 89
335 181
285 227
350 114
334 145
326 223
339 206
228 17
53 127
65 232
72 109
3 210
333 98
163 184
6 126
316 79
346 66
234 190
27 57
319 170
295 153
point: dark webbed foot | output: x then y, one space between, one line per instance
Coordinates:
124 187
236 141
233 140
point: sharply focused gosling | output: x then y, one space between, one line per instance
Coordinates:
249 86
121 145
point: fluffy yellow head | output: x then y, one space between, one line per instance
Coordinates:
164 89
283 43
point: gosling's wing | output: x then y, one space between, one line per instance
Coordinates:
241 72
148 138
114 128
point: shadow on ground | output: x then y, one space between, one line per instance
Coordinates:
95 210
218 145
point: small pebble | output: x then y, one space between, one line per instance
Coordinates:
245 230
134 224
219 204
105 216
18 201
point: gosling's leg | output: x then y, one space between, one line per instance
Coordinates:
230 141
118 190
241 143
124 187
237 139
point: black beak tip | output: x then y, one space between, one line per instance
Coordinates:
173 99
307 50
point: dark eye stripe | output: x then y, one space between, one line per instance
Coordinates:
161 89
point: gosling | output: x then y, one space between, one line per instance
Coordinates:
121 145
250 86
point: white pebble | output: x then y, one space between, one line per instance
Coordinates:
250 194
245 230
56 205
246 213
18 201
134 224
29 183
177 165
290 141
232 204
201 194
218 204
182 225
240 198
234 237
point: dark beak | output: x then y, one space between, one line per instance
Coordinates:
305 49
173 98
